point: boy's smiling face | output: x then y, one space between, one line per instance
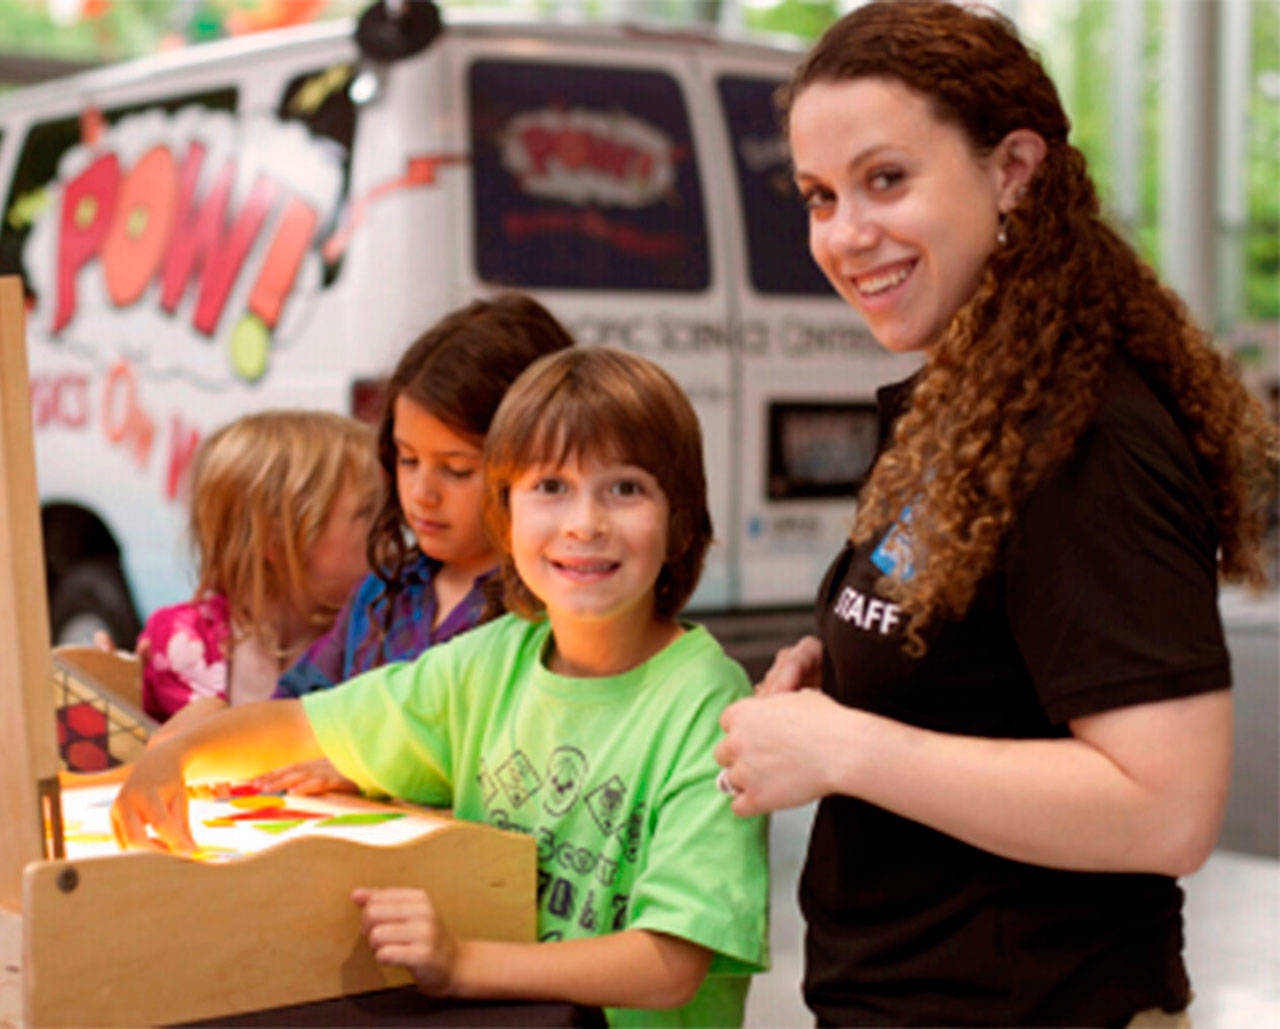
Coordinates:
589 538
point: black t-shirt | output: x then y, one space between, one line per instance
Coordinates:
1105 595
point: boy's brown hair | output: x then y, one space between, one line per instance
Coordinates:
611 405
262 490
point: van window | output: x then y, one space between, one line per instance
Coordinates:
585 178
37 165
822 449
777 230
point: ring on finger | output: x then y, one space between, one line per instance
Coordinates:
724 785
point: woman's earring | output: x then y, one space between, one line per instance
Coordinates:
1002 232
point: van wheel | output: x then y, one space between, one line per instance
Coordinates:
92 596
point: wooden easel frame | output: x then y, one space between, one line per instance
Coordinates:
145 938
30 758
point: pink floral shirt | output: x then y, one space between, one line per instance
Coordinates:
190 644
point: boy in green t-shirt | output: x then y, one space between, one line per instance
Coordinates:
586 718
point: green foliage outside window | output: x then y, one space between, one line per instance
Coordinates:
1262 238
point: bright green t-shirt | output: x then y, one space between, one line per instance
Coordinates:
614 777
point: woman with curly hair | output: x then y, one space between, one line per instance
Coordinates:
1021 726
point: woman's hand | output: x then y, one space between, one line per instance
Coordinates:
781 751
153 795
403 929
308 778
768 750
797 667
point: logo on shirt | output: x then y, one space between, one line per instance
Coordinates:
487 783
631 831
605 804
893 555
565 771
866 612
518 779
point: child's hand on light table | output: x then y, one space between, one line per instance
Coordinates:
153 795
403 929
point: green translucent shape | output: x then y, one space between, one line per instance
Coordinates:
364 818
278 827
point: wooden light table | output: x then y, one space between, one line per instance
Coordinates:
136 938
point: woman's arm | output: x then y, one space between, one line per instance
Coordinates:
238 743
1134 789
632 968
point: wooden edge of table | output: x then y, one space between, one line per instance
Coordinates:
149 938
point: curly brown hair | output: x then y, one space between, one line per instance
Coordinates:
1017 375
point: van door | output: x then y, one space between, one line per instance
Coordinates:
810 367
590 189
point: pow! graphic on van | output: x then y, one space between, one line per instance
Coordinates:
585 157
204 220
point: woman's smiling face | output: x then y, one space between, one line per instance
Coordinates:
902 213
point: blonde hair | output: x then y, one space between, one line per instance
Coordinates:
262 490
612 405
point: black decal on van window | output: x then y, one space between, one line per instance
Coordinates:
820 449
585 178
777 230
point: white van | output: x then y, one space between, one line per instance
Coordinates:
270 221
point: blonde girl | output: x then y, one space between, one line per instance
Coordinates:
281 503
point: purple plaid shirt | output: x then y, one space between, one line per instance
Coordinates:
355 644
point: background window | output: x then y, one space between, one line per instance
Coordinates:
820 449
777 229
585 178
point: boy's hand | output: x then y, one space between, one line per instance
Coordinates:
403 929
308 778
153 795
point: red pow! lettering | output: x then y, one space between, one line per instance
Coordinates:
576 149
87 203
199 239
150 224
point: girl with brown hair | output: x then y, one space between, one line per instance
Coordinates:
433 565
1020 726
